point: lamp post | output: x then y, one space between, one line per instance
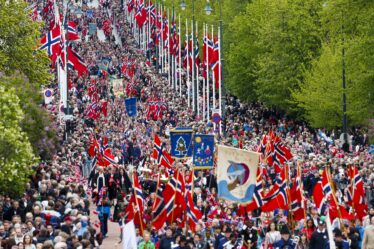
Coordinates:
208 11
345 132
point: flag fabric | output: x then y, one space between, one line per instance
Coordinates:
104 107
161 156
76 62
135 208
159 209
236 174
193 214
181 142
203 151
51 42
279 199
129 236
357 188
174 197
141 14
130 104
72 31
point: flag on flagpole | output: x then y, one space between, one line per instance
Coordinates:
129 236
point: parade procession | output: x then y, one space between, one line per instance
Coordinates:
186 124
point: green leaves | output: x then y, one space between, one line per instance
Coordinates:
24 126
16 155
277 40
19 36
320 94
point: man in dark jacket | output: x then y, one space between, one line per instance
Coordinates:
166 241
319 237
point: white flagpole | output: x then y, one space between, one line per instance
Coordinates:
207 73
149 26
197 73
204 81
159 14
162 42
188 66
213 82
168 50
219 78
193 68
180 56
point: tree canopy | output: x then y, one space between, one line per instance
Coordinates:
288 54
26 132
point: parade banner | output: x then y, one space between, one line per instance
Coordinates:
203 151
92 28
105 63
181 142
236 174
118 89
130 105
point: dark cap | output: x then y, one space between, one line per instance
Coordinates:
284 230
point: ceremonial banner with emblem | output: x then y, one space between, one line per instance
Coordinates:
118 89
130 104
203 152
181 142
236 174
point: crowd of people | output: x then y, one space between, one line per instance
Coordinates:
63 207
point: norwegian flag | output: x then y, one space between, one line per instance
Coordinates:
76 62
93 111
135 208
298 202
104 107
193 214
165 29
160 208
72 31
141 14
174 191
357 188
279 199
162 157
207 45
130 5
197 56
151 12
51 42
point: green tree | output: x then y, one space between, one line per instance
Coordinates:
275 43
25 69
16 155
320 95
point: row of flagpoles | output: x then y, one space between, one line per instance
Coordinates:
202 81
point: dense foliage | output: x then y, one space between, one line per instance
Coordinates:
25 127
288 54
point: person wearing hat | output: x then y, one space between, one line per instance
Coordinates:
249 232
285 241
319 238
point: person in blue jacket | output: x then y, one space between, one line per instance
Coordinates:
104 213
340 243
